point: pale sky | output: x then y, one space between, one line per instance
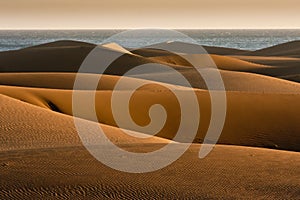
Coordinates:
124 14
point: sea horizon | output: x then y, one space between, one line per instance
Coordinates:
246 39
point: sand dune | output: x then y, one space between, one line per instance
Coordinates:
278 130
229 172
43 59
292 77
276 61
66 81
63 43
67 56
224 51
255 83
233 81
29 127
50 153
289 49
116 47
41 154
222 62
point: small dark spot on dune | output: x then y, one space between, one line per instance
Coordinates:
53 106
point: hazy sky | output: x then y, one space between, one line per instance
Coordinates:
68 14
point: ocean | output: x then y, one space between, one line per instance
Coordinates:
241 39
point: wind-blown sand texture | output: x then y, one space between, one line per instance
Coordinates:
257 155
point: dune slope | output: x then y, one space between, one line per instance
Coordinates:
50 153
42 155
264 124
